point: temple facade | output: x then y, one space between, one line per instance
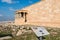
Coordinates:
43 13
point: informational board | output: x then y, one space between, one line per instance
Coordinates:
40 31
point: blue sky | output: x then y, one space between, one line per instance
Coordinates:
8 7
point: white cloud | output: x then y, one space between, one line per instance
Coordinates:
1 15
9 1
12 9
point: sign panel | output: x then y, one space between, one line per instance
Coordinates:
40 31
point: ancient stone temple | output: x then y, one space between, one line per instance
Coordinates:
43 13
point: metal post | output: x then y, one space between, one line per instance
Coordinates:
40 38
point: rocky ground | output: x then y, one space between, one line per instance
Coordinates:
27 34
